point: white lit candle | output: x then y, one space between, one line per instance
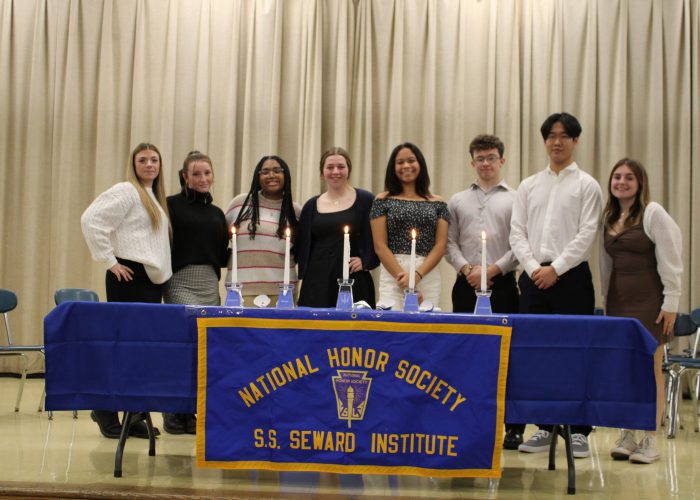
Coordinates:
483 261
412 265
234 256
287 246
346 254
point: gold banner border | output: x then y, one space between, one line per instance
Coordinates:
344 325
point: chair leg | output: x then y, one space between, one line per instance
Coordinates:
22 380
673 402
42 400
667 396
694 386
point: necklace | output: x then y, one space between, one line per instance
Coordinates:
335 202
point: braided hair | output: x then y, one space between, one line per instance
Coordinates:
250 210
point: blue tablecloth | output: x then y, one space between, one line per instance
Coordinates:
143 357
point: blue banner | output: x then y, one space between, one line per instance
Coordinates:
352 395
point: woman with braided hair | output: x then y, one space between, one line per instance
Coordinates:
261 217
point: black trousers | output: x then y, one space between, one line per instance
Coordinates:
139 289
572 294
504 295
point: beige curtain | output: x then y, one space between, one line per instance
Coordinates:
83 81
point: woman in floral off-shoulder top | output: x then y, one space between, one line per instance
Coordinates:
405 205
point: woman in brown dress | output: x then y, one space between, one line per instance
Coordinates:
640 272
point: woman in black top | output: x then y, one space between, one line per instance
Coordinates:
319 244
199 251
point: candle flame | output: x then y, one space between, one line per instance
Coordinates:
483 235
233 229
413 234
288 232
346 229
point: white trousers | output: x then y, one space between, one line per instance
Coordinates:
389 291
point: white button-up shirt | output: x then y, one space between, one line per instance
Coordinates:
473 211
556 219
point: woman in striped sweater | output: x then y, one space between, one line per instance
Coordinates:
261 216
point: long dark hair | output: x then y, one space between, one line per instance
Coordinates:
391 181
612 210
250 210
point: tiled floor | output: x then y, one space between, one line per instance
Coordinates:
67 458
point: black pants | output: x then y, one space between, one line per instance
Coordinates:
572 294
139 289
504 295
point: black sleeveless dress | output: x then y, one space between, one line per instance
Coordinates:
320 285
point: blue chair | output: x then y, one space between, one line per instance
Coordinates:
73 295
675 366
8 302
695 316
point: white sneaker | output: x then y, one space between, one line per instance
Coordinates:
624 446
538 443
579 446
646 452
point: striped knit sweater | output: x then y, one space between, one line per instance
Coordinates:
260 260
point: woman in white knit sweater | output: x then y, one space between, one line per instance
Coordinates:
127 230
640 274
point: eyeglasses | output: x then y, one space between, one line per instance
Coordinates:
486 159
268 171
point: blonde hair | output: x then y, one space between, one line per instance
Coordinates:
158 189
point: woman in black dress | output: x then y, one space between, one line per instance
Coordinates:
319 245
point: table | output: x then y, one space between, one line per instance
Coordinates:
143 357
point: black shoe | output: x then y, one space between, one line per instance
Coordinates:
190 423
108 422
174 423
512 440
139 429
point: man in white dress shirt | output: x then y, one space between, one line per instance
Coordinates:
485 206
555 221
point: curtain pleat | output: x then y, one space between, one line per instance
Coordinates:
85 81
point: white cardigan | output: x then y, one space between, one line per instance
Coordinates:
668 242
117 224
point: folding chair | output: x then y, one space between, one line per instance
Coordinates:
8 302
73 295
675 366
